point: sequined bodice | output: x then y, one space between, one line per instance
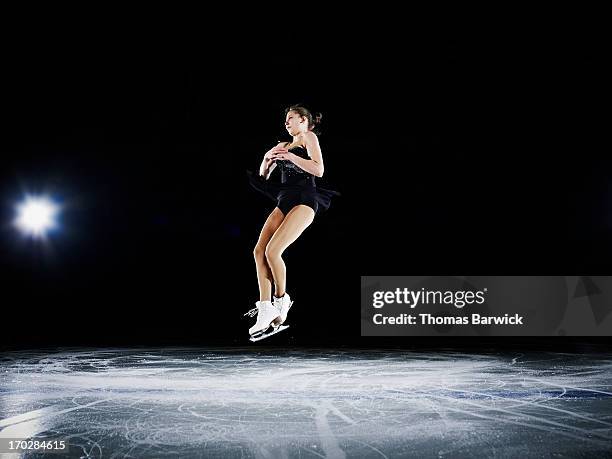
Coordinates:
291 173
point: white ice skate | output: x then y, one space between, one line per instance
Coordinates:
267 313
283 304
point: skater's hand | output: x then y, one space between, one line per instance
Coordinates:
270 156
284 156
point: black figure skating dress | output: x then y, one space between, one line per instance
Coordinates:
296 186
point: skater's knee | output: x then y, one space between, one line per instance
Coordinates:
259 252
272 252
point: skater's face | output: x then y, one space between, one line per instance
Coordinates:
294 123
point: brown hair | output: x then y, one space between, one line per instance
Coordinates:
313 121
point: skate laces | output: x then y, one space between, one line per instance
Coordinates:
253 312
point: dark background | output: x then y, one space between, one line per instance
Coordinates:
453 157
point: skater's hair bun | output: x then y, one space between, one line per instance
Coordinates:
313 121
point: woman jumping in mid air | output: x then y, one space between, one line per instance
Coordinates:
298 199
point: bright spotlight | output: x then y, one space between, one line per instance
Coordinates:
36 216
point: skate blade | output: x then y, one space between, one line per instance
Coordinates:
280 328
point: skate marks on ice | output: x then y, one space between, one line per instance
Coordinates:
286 403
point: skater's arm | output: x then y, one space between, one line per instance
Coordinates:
268 164
314 165
266 168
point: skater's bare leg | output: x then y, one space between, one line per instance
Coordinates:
264 274
295 222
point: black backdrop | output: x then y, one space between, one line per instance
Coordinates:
452 158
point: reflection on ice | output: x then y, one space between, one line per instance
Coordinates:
284 403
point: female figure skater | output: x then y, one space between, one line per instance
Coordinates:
298 199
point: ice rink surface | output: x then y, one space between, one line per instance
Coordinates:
187 402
